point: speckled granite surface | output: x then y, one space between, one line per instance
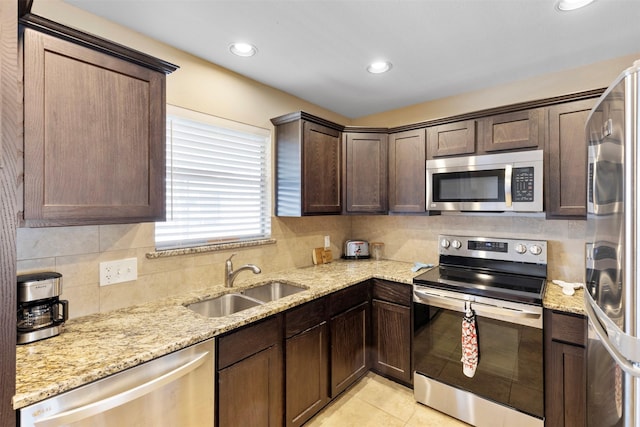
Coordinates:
99 345
554 299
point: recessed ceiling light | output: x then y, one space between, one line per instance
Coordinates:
379 67
243 49
567 5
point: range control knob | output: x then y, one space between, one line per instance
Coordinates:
444 243
456 244
520 248
535 249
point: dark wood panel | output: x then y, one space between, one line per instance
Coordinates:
564 369
513 131
250 392
248 340
349 360
307 374
569 328
344 299
407 168
391 340
10 172
94 136
566 166
451 139
365 172
304 317
321 172
398 293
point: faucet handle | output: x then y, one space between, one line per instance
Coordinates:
232 255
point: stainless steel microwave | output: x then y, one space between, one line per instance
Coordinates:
505 182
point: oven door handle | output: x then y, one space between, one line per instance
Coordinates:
480 308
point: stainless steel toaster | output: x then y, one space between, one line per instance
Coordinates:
356 249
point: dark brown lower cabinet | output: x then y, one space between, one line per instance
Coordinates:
306 362
391 340
348 347
249 373
565 369
392 330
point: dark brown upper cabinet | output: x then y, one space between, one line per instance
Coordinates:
452 139
94 130
513 131
365 172
308 165
566 160
407 157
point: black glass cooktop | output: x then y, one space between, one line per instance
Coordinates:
486 283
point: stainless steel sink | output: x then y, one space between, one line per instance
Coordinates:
223 305
272 291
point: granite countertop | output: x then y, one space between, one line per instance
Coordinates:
95 346
554 299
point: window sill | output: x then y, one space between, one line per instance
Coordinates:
208 248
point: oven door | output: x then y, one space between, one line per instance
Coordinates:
507 388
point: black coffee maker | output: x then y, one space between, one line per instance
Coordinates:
41 314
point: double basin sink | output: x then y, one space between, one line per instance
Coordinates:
227 304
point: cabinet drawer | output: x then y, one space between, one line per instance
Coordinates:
568 328
347 298
302 318
249 340
392 292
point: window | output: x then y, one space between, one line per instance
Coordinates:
217 181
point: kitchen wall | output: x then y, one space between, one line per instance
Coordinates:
77 251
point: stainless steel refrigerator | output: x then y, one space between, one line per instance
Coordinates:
612 297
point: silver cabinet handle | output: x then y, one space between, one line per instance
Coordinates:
119 399
507 185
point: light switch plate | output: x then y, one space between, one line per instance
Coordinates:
327 242
122 270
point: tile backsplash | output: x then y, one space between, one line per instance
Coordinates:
76 252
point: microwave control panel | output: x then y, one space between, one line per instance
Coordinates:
522 184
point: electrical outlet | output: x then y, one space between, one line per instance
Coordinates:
327 242
122 270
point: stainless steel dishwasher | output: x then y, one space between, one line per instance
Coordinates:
173 390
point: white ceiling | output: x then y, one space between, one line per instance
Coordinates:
319 50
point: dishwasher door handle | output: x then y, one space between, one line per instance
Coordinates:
86 411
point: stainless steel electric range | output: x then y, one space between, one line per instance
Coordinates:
502 281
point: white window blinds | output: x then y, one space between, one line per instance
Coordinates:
217 181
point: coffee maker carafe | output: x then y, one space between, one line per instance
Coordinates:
41 314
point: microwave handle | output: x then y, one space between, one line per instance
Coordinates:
507 185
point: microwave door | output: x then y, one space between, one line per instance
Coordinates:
463 189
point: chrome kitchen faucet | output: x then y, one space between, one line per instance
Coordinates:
230 275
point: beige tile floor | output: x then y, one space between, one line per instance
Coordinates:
377 401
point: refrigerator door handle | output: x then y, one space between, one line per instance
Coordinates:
629 367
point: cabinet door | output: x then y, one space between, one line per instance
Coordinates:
322 170
94 136
566 166
452 139
407 169
307 374
392 340
366 172
250 391
510 131
565 370
348 347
